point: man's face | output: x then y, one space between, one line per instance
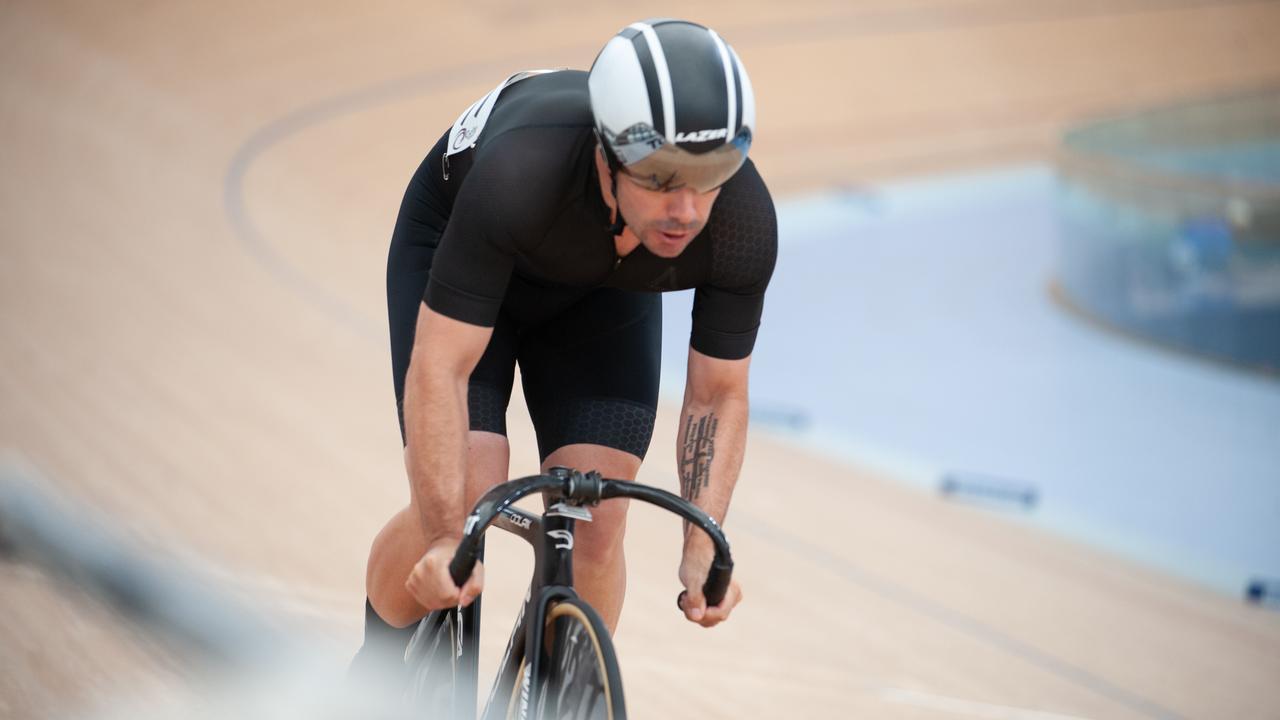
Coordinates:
665 221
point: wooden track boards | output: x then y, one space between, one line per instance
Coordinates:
197 201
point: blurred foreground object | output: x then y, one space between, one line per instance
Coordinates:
1170 225
247 667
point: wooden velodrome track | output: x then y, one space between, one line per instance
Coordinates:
196 204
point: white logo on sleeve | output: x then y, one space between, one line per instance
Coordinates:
467 128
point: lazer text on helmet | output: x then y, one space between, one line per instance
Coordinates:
702 135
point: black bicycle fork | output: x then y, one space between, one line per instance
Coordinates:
552 538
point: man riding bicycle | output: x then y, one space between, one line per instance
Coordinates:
540 230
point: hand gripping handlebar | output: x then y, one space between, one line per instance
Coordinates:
590 488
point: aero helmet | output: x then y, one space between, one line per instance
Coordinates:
673 105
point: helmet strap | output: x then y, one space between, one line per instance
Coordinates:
619 222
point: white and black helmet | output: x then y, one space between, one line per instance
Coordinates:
673 105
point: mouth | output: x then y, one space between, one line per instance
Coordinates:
674 237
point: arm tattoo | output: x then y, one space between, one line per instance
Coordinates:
696 454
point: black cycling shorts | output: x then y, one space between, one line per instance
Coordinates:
589 358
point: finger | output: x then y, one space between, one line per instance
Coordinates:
421 592
414 586
424 585
695 606
731 599
719 613
714 616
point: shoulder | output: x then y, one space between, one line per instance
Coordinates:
743 230
529 156
526 174
534 137
539 136
745 201
537 123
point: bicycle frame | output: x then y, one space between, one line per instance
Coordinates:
551 535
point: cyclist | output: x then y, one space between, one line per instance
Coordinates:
540 231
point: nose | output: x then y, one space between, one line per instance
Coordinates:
680 206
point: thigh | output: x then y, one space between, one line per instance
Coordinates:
590 373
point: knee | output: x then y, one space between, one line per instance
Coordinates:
600 541
391 557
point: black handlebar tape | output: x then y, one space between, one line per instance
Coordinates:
717 583
463 563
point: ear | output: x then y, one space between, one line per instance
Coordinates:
602 161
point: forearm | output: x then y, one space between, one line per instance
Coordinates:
435 413
710 447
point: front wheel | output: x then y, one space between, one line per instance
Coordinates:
431 663
583 679
441 663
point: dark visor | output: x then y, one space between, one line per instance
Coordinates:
658 165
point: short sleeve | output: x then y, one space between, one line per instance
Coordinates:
498 207
744 248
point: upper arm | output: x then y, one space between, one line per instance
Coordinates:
476 254
711 378
744 250
443 344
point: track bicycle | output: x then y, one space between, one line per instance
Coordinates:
559 661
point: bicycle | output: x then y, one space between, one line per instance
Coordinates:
574 672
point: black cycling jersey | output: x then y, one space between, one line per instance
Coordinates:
525 201
513 234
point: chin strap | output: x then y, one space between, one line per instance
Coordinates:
619 223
